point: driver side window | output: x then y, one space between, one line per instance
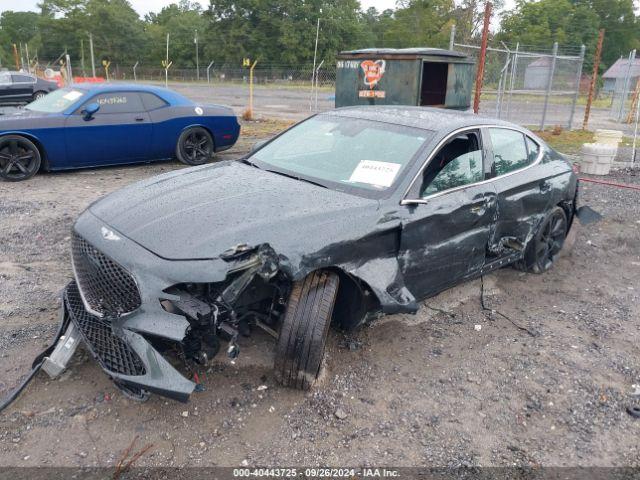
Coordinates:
456 164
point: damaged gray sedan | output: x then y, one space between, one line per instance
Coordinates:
345 216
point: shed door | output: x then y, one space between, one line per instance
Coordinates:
433 90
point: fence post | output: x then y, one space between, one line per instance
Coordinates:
452 37
135 77
625 88
514 66
549 85
578 78
93 60
208 74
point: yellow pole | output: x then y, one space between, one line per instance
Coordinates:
251 89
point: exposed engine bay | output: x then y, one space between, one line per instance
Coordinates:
254 295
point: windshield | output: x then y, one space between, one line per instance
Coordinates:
344 153
57 101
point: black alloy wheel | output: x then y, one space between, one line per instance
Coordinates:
548 241
195 146
19 158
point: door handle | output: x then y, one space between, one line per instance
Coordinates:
139 119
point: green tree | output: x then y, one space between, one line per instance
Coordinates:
181 21
421 23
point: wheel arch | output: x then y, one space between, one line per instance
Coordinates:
200 125
355 298
44 166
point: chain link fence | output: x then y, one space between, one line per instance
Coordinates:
536 89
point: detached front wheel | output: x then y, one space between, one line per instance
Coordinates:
304 329
195 146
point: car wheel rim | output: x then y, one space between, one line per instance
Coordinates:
197 147
551 240
17 159
38 96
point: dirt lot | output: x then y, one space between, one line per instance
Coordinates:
451 386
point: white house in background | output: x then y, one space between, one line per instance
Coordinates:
615 76
536 75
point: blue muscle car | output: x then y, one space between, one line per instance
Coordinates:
95 125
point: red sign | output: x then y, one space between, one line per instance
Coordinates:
373 72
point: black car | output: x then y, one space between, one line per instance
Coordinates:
346 215
19 87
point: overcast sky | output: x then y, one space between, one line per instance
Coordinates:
145 6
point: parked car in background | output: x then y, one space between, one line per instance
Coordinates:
18 88
350 214
90 125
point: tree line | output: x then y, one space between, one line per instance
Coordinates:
282 32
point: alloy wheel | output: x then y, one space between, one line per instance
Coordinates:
551 239
19 159
197 147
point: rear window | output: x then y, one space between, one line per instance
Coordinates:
152 101
22 79
509 150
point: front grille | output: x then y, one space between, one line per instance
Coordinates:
107 288
113 354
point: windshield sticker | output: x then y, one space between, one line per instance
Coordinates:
381 174
72 95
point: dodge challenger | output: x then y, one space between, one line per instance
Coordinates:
89 125
346 216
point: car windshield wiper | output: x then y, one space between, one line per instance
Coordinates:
296 177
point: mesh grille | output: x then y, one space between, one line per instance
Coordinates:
113 354
107 288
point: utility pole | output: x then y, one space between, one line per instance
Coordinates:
594 77
315 56
93 61
197 57
483 57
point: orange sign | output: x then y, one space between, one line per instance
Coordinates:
373 72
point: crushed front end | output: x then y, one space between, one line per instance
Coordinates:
146 319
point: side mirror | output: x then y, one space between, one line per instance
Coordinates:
258 145
90 110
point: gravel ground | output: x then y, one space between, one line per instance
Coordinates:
547 384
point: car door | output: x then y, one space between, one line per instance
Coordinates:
22 87
448 216
120 132
521 182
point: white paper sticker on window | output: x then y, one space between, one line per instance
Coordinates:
72 95
381 174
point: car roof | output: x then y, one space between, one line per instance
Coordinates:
169 95
428 118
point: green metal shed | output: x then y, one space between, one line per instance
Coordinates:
408 76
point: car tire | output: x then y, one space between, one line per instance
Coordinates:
303 332
38 95
20 158
195 146
546 244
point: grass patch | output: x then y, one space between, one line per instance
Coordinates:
566 141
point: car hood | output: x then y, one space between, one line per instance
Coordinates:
21 118
199 213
